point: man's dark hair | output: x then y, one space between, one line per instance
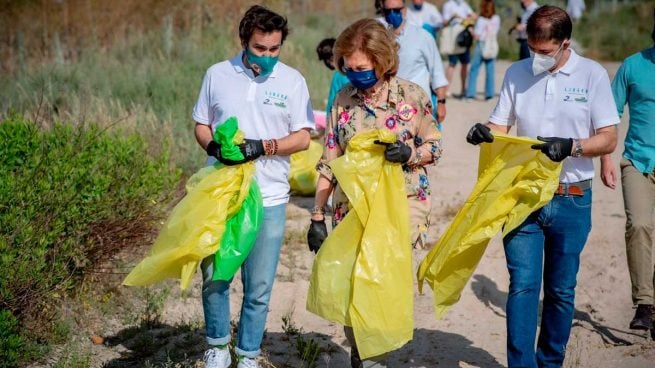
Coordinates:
324 49
258 17
379 6
549 23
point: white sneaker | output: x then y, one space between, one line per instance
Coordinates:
247 363
217 358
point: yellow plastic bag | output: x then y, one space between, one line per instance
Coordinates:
302 174
362 275
513 181
196 225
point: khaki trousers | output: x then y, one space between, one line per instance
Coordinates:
639 201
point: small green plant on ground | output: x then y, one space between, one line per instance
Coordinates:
307 349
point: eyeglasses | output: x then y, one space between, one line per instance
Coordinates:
388 11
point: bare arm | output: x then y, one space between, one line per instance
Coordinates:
603 142
498 128
323 189
441 108
608 172
294 142
203 135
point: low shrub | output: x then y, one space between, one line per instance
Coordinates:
70 196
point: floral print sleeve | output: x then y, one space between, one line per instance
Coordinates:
427 139
331 147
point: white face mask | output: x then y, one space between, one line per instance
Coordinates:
542 63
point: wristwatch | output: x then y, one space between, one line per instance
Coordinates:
577 149
441 101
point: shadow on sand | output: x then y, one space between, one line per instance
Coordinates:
487 292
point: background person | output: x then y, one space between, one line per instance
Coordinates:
528 6
575 8
458 11
272 105
633 84
367 53
567 99
419 56
487 25
325 54
425 15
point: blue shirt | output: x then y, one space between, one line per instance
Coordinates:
338 81
634 83
420 61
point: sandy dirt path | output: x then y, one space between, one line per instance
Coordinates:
472 334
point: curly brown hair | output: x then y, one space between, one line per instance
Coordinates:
259 17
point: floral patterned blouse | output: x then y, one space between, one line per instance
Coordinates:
407 112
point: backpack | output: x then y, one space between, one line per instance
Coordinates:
489 45
465 38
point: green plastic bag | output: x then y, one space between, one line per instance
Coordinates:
242 228
240 234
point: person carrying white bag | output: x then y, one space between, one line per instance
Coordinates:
486 50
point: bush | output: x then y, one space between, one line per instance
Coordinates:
10 341
70 196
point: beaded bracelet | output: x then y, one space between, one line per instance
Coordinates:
270 146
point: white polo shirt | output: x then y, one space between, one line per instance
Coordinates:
458 8
572 102
429 14
267 108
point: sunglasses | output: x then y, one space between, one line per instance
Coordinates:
388 11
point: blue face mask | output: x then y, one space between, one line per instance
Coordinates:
362 80
265 63
418 6
394 17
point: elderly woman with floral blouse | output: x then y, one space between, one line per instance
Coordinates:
367 54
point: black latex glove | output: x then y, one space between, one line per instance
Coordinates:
556 148
214 149
396 152
479 133
316 235
251 149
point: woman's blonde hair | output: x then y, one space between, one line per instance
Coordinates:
373 39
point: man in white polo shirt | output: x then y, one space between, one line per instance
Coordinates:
272 105
566 98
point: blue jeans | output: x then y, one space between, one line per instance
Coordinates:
257 277
553 236
489 86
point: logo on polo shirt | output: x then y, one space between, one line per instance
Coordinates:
275 99
574 94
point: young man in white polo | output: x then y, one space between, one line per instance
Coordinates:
567 99
272 105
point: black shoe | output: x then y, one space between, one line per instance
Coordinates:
643 319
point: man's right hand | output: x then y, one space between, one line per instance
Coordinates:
479 133
316 235
214 149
